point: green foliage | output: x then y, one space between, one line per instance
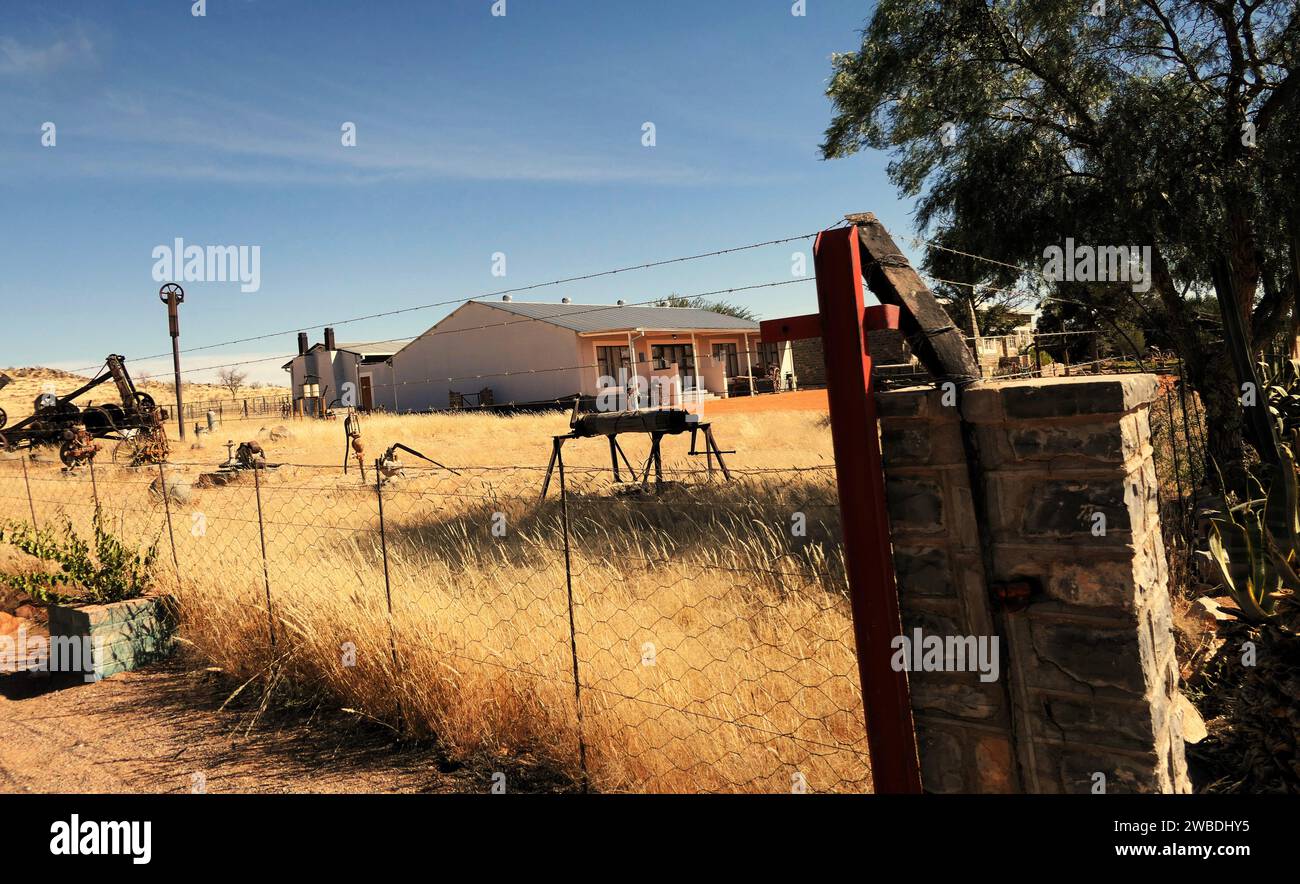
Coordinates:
999 319
107 571
1255 545
1040 355
1019 124
726 308
1281 382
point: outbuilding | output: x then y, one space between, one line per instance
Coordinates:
325 374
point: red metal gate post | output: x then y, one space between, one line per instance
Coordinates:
868 555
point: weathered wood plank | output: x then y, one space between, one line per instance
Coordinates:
930 332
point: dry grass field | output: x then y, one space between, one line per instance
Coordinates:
713 642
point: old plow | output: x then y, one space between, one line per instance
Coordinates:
135 423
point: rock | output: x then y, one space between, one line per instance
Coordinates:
280 432
1193 725
1214 608
9 624
178 489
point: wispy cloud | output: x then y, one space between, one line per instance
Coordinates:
211 138
39 59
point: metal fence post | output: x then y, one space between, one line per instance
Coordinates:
94 486
167 506
573 633
388 588
261 534
31 505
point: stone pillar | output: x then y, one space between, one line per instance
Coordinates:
1087 681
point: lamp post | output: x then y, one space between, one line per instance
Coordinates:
172 295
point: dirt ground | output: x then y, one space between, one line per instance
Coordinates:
161 730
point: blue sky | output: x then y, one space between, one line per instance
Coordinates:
476 134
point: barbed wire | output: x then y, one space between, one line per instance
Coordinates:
507 291
595 308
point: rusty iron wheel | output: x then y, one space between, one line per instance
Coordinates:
66 454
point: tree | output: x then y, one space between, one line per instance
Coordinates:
232 379
1163 123
724 307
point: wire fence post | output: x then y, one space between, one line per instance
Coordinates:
573 633
388 589
31 505
94 485
167 507
261 535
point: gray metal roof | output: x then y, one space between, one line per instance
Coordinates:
364 349
608 317
374 348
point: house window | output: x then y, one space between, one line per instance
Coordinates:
609 360
729 355
664 355
768 357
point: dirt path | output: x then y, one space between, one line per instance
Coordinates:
800 400
161 730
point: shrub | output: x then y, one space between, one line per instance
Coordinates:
109 572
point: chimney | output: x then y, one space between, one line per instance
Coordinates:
302 343
329 339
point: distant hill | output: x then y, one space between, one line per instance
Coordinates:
28 382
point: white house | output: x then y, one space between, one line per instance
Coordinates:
528 352
322 372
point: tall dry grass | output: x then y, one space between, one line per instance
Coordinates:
714 645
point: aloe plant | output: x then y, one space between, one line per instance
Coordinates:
1255 545
1281 384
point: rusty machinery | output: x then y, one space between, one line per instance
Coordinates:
136 423
655 423
389 465
240 458
352 444
246 456
79 447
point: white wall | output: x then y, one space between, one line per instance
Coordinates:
381 382
452 353
332 368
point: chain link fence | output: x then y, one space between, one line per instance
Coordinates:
617 637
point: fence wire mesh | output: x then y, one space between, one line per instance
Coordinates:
693 637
